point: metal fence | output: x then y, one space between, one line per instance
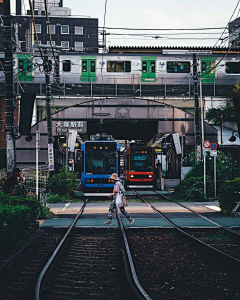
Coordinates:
30 177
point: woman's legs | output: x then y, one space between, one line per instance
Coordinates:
125 213
111 210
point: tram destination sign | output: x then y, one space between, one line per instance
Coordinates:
64 126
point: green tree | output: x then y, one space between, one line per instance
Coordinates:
227 111
63 183
191 188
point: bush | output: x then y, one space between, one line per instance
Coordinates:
17 217
226 168
56 199
227 196
63 183
191 189
15 223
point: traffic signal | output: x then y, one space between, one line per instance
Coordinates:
26 112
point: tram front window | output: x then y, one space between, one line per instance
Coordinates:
141 161
100 162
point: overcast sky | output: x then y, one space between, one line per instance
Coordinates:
158 14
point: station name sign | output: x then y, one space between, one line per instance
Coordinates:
65 126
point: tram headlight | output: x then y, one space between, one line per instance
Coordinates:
150 176
89 180
132 176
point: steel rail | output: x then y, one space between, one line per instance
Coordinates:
187 234
130 260
55 253
202 216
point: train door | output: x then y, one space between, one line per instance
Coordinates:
148 69
207 63
25 67
88 69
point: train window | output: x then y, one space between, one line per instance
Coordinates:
20 65
204 67
119 66
233 67
1 64
178 67
29 66
93 66
66 65
100 159
152 67
144 66
141 160
84 66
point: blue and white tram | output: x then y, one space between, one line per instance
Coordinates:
100 159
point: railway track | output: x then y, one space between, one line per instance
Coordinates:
91 267
222 244
86 265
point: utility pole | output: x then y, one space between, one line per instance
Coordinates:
196 111
49 114
8 67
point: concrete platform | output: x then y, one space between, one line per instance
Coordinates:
128 193
95 214
141 223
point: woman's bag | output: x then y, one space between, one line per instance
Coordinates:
119 199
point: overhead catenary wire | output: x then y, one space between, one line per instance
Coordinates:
49 32
35 30
34 63
228 23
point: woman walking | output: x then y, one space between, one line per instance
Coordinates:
118 187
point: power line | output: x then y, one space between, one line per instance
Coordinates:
228 23
35 30
49 32
163 29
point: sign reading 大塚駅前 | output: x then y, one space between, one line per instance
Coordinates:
65 126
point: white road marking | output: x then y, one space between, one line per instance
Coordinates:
213 207
65 207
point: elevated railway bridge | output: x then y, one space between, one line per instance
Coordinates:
124 118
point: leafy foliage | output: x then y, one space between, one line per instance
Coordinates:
17 217
55 199
226 168
227 111
63 183
191 188
15 222
227 196
189 159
